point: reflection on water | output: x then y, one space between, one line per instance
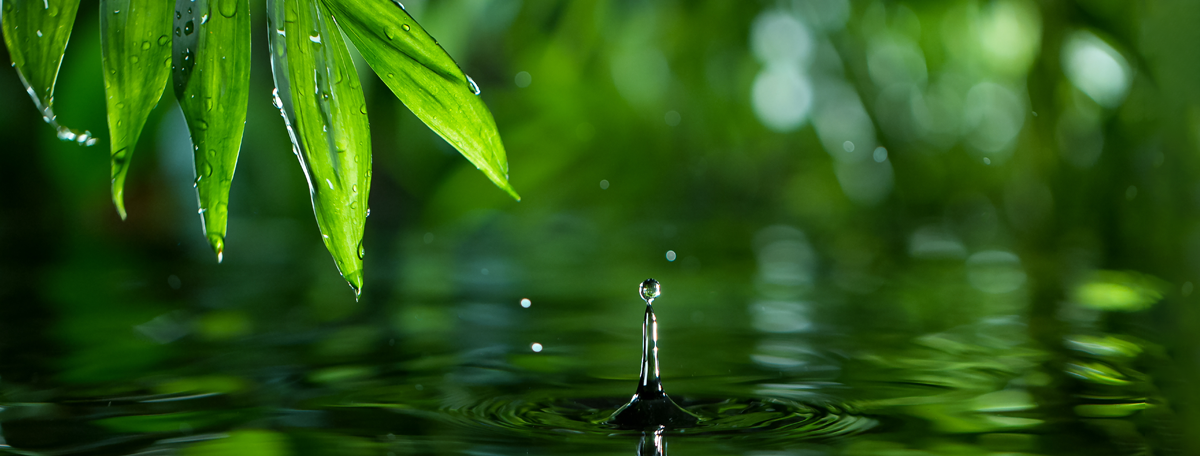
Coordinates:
767 383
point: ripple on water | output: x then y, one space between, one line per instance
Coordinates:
768 419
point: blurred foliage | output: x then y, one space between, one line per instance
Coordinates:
977 220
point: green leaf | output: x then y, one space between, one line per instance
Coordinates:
426 79
319 95
36 33
212 83
136 53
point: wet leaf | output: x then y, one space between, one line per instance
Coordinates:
36 33
426 79
212 83
319 95
136 54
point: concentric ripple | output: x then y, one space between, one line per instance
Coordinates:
766 418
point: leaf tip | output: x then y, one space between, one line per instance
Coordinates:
119 202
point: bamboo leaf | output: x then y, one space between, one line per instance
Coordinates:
36 33
321 99
426 79
212 82
136 54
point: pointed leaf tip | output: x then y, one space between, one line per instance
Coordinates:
429 82
320 97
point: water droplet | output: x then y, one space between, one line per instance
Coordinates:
178 15
207 170
218 245
361 252
406 27
362 109
178 31
118 157
649 290
474 87
390 32
228 8
526 303
208 103
330 183
354 188
133 59
145 45
39 33
201 125
116 11
163 40
188 27
52 10
368 212
670 255
650 407
536 347
204 19
315 38
401 5
189 11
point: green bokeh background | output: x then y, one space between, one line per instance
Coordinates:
1019 180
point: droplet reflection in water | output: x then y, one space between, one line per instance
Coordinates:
650 407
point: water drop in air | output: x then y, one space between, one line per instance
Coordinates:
536 347
526 303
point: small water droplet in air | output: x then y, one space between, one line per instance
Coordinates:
526 303
39 33
474 87
670 255
649 290
536 347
